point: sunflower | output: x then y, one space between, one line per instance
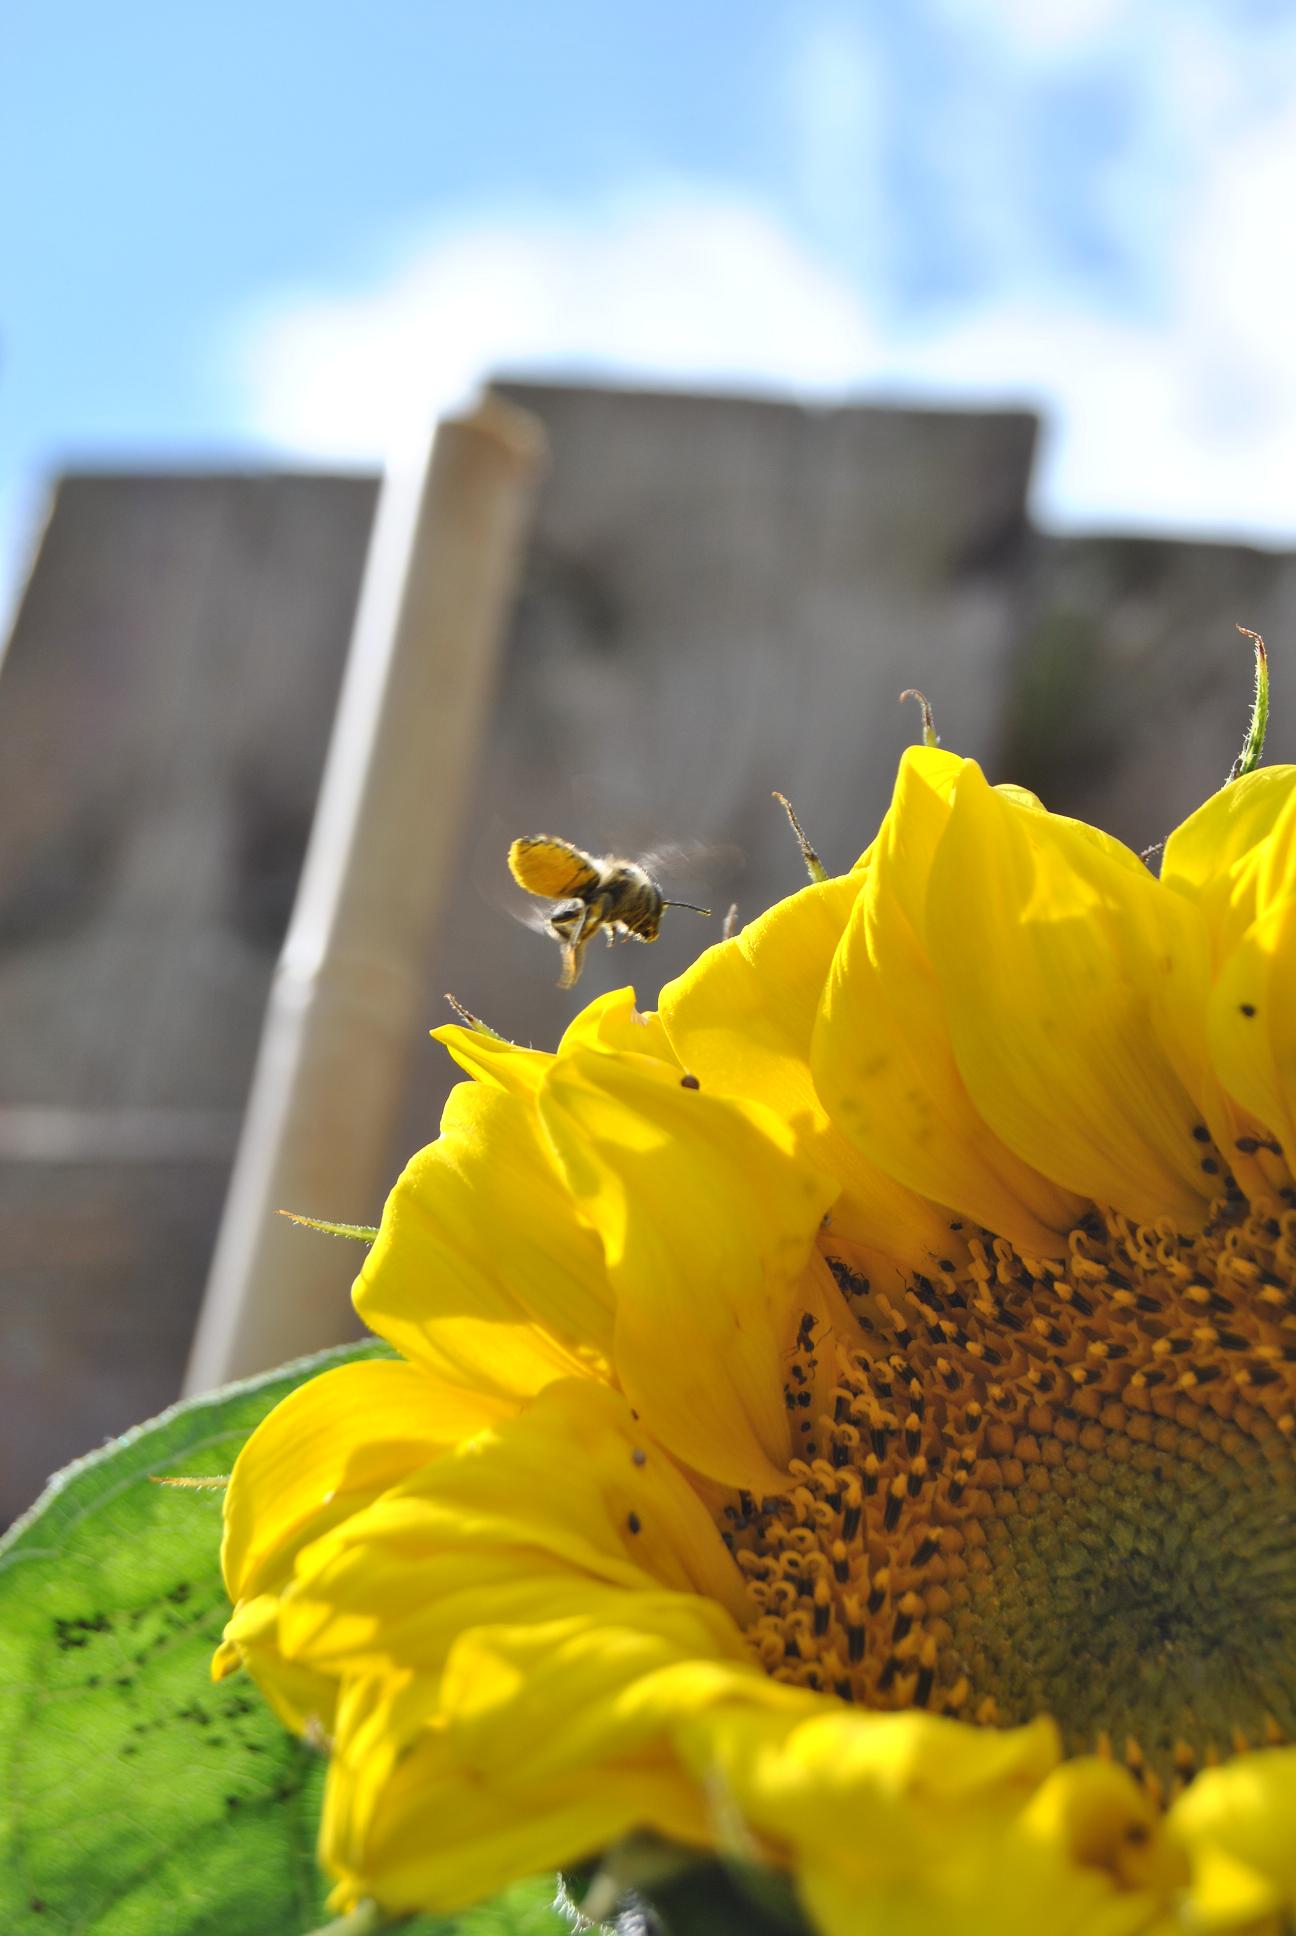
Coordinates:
843 1421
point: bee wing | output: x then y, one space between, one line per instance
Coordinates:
551 868
691 863
529 913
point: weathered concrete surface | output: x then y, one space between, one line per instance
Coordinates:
164 707
1129 687
724 597
166 700
102 1268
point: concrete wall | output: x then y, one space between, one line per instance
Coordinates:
164 706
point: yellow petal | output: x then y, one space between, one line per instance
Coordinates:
440 1843
437 1785
909 1825
503 1065
1235 859
377 1719
816 1780
521 1523
325 1452
379 1605
882 1056
1074 984
304 1700
891 1823
620 1685
745 1008
329 1448
1236 1825
742 1019
1216 857
416 1831
481 1270
707 1213
1252 1022
613 1022
1093 1814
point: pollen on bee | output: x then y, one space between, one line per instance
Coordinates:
548 867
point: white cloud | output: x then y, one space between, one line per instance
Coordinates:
1186 417
1172 407
1047 29
685 288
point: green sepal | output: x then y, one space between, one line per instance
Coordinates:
813 865
359 1233
475 1022
1258 725
930 737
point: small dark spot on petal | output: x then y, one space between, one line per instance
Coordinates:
689 1082
1201 1133
639 1456
633 1522
1246 1008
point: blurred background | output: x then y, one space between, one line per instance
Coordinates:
868 346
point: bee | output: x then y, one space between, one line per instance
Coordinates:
591 892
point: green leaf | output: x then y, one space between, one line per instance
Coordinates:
136 1797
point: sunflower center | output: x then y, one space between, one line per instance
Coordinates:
1063 1487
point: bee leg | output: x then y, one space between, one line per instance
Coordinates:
571 963
575 944
573 955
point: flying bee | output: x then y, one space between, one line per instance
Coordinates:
619 896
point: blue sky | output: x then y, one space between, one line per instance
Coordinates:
299 230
